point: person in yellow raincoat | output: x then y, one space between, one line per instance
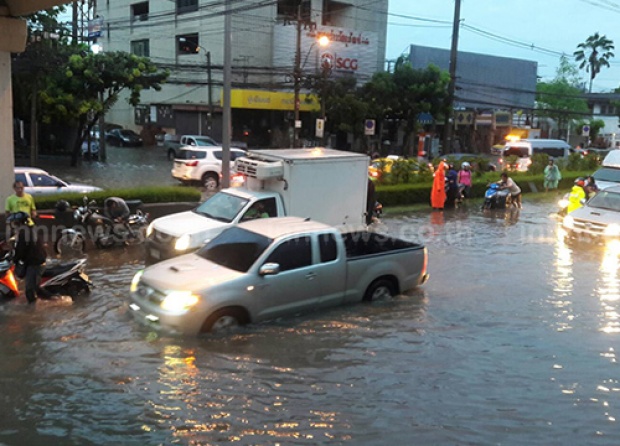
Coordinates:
577 195
438 192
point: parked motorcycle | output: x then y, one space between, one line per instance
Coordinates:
100 227
496 198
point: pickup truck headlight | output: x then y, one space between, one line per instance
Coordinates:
568 222
149 229
179 301
612 230
135 281
182 243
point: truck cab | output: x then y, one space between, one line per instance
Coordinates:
326 185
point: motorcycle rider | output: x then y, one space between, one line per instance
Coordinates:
30 249
115 209
577 195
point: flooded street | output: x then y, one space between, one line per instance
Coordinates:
512 341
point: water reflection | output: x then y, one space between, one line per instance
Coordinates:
609 288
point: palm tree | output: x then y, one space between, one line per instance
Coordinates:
600 51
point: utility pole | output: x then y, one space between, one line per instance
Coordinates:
74 23
447 130
297 78
210 92
226 116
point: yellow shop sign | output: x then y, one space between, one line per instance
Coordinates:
271 100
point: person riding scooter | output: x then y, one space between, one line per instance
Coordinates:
577 195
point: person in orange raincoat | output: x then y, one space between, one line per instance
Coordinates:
438 192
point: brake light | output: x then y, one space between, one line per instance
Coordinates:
191 163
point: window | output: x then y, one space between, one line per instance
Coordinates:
288 9
188 44
292 254
234 154
140 11
21 177
184 6
185 154
328 247
43 180
140 48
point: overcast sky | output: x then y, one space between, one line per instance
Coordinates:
507 27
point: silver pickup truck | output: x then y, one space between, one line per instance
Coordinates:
267 268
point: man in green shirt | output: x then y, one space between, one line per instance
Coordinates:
20 201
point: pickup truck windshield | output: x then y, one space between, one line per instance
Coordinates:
222 206
605 200
607 174
235 248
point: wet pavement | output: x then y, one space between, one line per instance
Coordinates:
512 341
125 167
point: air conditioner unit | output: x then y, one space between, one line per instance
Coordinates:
261 170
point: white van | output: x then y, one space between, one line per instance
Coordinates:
525 148
609 173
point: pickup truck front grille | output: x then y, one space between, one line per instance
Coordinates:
150 294
161 237
589 226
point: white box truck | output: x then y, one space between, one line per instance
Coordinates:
325 185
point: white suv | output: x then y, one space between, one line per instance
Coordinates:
201 164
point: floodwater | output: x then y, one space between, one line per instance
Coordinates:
511 342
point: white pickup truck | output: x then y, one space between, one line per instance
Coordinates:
267 268
325 185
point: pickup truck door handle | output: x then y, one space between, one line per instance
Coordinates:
310 276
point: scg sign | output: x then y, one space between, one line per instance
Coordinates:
334 62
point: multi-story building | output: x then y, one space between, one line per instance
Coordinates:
187 38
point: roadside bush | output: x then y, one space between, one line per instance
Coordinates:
152 194
539 162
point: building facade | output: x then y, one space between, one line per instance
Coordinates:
187 38
492 95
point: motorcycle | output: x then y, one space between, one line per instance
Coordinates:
8 283
496 198
66 278
91 222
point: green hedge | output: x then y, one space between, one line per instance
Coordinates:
405 194
152 194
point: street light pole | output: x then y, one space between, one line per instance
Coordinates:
297 79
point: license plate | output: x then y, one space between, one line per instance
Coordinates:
155 253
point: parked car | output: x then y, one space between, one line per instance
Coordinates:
94 131
123 138
272 267
172 143
201 164
39 182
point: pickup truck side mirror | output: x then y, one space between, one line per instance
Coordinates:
269 269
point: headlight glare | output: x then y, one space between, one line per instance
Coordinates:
149 229
182 243
179 301
612 230
568 222
135 281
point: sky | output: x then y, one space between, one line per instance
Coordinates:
535 30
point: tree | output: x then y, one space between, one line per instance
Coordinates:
593 54
562 99
88 85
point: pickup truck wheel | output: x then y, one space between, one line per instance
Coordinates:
379 289
210 181
171 154
224 320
